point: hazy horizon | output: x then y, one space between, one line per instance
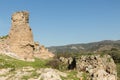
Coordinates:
56 23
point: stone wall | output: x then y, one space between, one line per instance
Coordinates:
93 67
99 67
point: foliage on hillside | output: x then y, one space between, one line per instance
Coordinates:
114 53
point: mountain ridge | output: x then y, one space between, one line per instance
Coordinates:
86 47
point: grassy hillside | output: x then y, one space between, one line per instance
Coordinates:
15 65
8 62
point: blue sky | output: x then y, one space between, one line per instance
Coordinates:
61 22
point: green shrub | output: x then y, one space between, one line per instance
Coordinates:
115 55
53 63
56 64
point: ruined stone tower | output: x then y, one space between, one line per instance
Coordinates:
20 39
20 25
20 35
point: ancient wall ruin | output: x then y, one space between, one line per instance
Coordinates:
20 39
20 35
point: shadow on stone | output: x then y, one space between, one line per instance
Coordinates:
72 65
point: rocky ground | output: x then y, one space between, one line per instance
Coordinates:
13 69
90 67
30 73
95 67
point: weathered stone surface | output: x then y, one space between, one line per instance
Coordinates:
95 67
64 60
101 74
43 53
4 71
99 67
20 37
41 74
51 74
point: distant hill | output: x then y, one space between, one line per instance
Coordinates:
88 47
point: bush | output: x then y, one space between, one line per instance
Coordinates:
115 55
53 63
56 64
